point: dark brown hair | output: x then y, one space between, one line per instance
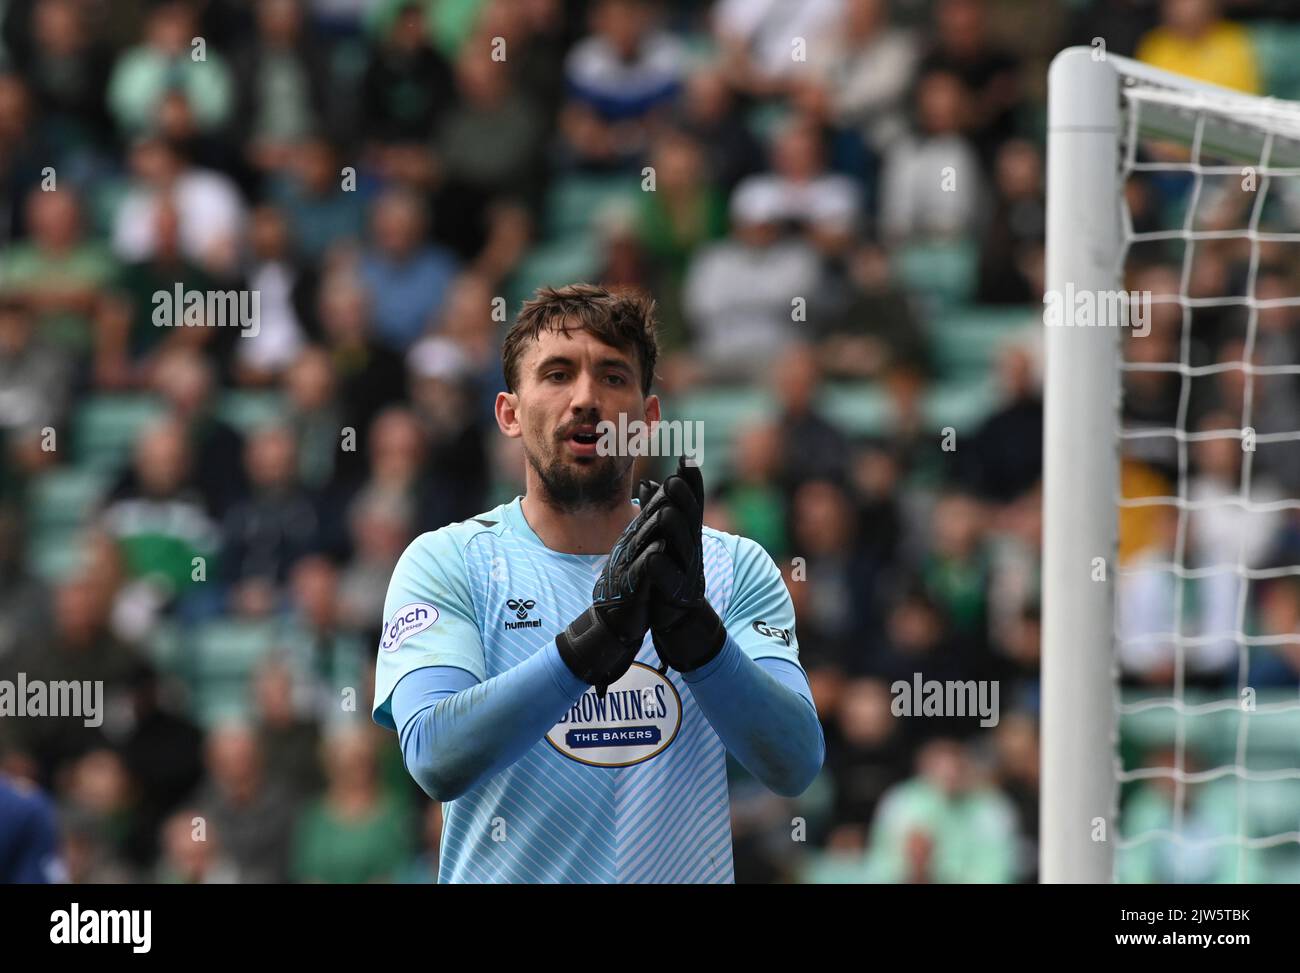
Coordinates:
620 319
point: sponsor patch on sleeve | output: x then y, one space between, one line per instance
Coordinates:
407 621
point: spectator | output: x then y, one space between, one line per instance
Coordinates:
186 383
68 67
25 151
210 212
707 111
273 274
753 494
932 186
281 87
275 525
407 278
165 60
865 322
369 375
840 577
34 378
824 205
1223 531
1279 617
1013 243
315 416
1194 40
251 812
469 320
59 273
812 447
192 855
355 833
442 394
756 38
684 213
81 647
24 598
1006 456
488 147
289 740
407 85
1204 809
867 73
989 73
739 294
865 759
129 325
159 517
946 824
324 645
618 78
308 189
163 752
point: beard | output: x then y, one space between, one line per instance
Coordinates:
601 483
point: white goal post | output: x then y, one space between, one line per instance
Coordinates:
1099 107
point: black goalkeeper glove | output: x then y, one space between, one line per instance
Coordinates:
601 644
687 631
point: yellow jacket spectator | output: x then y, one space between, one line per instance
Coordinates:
1192 40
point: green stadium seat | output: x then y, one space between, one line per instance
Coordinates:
106 426
966 341
64 498
943 273
54 552
246 410
555 263
223 655
575 202
1275 49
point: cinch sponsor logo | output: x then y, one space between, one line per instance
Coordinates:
407 621
772 632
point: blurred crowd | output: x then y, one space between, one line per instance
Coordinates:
814 192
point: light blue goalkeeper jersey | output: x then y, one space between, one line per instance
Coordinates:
631 788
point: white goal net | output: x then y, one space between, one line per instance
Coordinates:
1171 713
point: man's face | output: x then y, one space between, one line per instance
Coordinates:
567 384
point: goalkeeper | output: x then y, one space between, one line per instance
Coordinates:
568 671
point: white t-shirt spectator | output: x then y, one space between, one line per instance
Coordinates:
769 27
210 213
915 203
829 199
739 299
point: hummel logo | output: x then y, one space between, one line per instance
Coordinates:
520 608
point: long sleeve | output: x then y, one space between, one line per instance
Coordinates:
456 731
764 714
